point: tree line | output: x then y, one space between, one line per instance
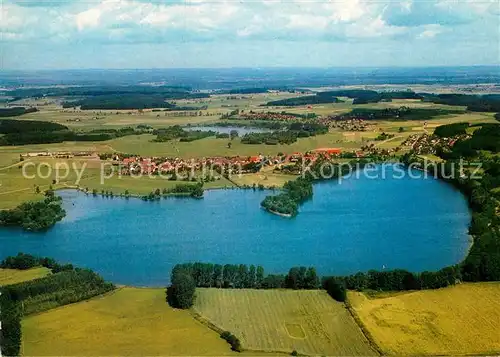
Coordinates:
13 126
35 216
64 286
359 96
185 278
176 92
24 132
16 111
23 261
191 190
475 103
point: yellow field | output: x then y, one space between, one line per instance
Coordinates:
309 322
14 276
458 320
128 322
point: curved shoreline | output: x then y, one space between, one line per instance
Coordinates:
286 215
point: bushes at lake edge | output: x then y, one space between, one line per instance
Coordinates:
297 191
23 261
191 190
35 216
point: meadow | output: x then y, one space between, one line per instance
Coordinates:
307 321
127 322
15 188
458 320
14 276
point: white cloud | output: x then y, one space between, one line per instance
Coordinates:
217 19
373 28
430 31
88 18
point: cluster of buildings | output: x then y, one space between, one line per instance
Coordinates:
345 124
427 144
243 164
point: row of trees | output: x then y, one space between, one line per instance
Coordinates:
399 280
191 190
35 216
185 278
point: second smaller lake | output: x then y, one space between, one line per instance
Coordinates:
227 129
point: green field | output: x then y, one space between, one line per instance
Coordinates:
14 276
308 321
458 320
16 188
127 322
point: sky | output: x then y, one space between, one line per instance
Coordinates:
70 34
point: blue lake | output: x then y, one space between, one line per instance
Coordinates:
356 225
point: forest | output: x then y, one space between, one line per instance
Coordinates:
24 132
62 287
359 96
35 216
16 111
474 103
487 137
319 98
450 130
177 132
288 136
401 113
174 92
12 126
